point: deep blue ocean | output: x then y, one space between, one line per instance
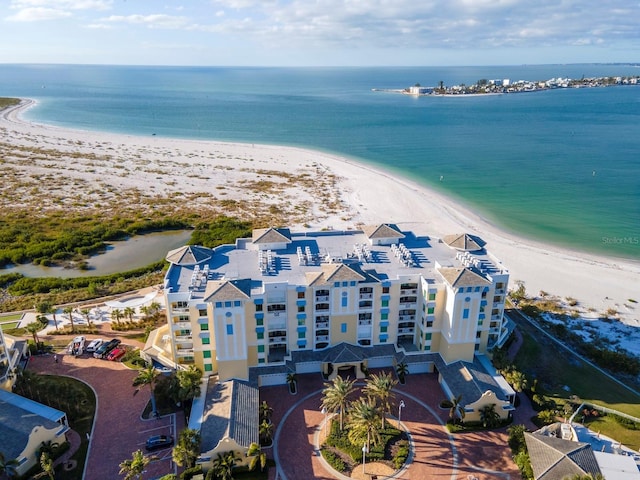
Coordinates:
561 166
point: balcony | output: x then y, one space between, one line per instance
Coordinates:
322 307
365 304
407 318
180 325
184 338
364 322
320 325
322 298
181 352
406 331
408 291
275 340
365 296
180 309
322 338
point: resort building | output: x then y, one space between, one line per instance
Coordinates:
280 302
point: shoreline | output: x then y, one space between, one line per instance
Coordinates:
367 194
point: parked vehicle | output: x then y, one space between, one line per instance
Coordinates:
116 354
159 441
93 345
104 349
77 346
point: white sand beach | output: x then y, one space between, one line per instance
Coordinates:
346 194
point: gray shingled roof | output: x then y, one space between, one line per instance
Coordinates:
469 380
385 230
464 242
553 458
18 417
462 277
228 290
189 255
230 411
334 272
271 235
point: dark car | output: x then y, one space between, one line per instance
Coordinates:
105 348
159 441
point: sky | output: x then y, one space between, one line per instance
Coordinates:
319 32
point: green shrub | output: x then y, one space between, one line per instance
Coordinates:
334 460
189 473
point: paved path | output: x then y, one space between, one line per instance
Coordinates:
437 455
118 428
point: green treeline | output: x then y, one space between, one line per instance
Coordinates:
221 231
57 238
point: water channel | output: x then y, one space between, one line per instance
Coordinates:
120 256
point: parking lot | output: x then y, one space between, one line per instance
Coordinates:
118 428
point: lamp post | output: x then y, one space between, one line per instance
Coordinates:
365 450
324 412
400 407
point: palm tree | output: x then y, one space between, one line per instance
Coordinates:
364 422
148 377
335 396
379 388
291 381
257 456
224 464
33 328
45 308
69 311
189 382
116 314
265 430
265 412
85 312
402 370
46 463
133 468
8 467
489 417
457 409
187 448
129 313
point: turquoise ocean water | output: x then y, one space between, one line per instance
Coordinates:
560 166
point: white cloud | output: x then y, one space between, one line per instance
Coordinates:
36 14
151 21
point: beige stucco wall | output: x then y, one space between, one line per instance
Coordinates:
487 398
335 326
38 435
233 369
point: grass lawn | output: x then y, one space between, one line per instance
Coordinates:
611 428
561 374
9 325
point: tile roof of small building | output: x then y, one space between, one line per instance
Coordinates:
385 230
189 255
462 277
230 411
553 458
470 380
271 235
464 242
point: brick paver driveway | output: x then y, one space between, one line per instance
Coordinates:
437 455
118 428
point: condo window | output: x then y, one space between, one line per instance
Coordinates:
429 323
430 310
432 296
385 303
385 289
259 322
260 335
427 336
227 304
218 304
202 312
259 308
206 341
208 367
237 303
384 316
478 334
204 327
260 348
345 301
230 329
301 309
383 329
345 284
343 327
300 294
465 313
206 354
301 334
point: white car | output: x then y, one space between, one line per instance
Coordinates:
77 346
94 344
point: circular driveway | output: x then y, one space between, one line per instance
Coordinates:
437 454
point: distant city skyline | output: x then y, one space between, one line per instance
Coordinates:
319 32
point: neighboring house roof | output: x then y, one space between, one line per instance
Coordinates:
228 290
230 411
553 458
333 272
462 277
189 255
385 230
470 380
271 235
18 417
